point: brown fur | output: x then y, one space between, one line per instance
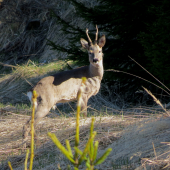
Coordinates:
63 87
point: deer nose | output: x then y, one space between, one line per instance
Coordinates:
95 60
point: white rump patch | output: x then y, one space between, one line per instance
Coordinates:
54 107
29 94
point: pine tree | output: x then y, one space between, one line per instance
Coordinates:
156 41
133 28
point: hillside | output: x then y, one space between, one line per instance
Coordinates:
139 136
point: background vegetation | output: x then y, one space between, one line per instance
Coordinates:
139 29
135 28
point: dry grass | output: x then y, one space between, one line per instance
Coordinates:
137 142
14 38
18 45
14 86
109 129
161 160
131 133
158 102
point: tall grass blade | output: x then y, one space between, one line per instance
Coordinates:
26 160
149 73
10 166
34 100
156 100
139 78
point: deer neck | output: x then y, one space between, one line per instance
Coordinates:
96 71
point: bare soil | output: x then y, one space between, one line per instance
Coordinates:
131 135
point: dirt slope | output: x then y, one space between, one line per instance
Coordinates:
131 137
139 142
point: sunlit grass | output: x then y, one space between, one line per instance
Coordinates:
14 86
34 69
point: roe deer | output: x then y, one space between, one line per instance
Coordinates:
63 86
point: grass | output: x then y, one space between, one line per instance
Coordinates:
123 163
110 123
110 127
14 86
22 106
62 125
34 69
31 43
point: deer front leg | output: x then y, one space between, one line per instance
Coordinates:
84 105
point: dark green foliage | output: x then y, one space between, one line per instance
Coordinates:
135 28
74 52
156 41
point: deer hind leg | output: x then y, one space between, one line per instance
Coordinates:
42 111
26 129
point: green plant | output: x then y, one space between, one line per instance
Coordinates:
89 154
32 129
34 98
136 28
123 163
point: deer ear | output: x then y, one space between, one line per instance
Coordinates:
102 41
84 43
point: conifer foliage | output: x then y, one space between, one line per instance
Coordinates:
138 29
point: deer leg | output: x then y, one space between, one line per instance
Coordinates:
41 112
26 129
84 105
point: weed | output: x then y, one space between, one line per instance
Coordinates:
123 163
89 154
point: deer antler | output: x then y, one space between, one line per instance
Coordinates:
88 37
96 35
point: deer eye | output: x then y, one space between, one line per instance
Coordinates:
90 52
99 51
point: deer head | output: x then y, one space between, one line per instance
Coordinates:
94 50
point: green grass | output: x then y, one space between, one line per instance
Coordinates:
104 111
123 163
2 105
33 69
20 106
14 86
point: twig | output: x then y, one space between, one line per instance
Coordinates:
149 73
138 77
156 100
7 65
